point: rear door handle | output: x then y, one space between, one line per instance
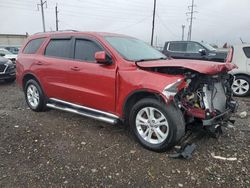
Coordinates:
75 68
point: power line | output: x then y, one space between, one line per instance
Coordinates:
99 17
110 9
165 26
131 25
131 5
41 5
17 7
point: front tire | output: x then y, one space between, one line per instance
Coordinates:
241 86
155 125
34 96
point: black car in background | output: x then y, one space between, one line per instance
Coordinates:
7 70
193 50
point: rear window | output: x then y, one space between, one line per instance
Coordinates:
247 51
177 47
33 46
59 48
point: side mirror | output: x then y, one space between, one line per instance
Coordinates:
2 55
202 51
102 58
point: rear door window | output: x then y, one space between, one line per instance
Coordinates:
59 48
177 46
33 46
85 50
247 51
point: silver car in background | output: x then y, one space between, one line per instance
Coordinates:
241 58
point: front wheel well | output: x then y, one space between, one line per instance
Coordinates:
241 74
28 77
136 96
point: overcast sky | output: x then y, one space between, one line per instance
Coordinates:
217 21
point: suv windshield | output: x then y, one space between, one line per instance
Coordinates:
133 49
208 46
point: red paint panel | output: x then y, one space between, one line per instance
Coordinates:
133 80
198 113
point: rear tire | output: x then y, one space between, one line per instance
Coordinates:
34 96
241 86
155 125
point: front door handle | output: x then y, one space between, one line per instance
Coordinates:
39 63
75 68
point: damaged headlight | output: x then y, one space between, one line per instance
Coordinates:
172 89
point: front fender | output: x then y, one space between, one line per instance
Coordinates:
140 80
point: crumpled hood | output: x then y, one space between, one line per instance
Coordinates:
204 67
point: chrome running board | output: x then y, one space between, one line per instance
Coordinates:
82 110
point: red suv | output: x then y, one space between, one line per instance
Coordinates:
111 77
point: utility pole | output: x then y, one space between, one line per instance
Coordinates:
183 29
56 18
153 24
41 5
156 41
188 32
191 19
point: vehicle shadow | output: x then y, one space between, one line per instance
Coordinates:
3 83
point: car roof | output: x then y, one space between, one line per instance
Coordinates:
90 33
182 41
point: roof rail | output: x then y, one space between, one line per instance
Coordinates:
67 30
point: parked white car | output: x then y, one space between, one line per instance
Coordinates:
241 57
5 53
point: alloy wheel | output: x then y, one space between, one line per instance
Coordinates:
240 87
152 125
33 96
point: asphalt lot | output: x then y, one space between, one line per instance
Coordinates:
58 149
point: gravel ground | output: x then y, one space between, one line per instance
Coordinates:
58 149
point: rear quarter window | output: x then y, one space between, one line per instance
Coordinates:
33 46
247 51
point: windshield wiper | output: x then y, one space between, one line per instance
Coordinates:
161 58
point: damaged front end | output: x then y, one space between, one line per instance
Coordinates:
204 98
204 93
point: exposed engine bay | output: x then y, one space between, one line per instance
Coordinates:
206 98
